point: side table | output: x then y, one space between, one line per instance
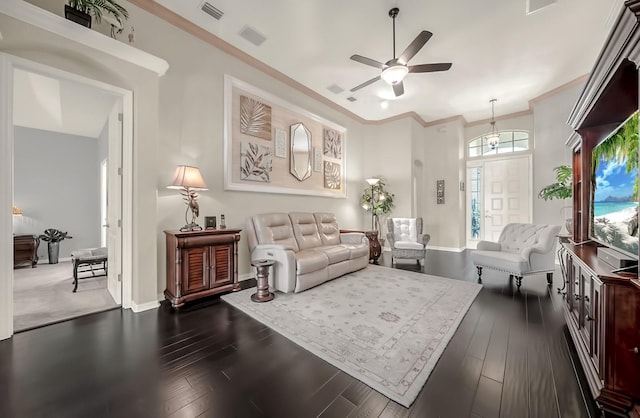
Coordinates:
262 279
375 249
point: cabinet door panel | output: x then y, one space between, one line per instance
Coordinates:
195 275
624 339
222 265
596 319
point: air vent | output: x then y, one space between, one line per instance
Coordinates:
252 35
334 88
351 99
212 11
535 5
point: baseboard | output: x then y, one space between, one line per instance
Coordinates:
144 307
451 249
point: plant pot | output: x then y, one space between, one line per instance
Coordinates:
77 16
54 250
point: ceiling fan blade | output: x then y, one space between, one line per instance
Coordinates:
398 89
415 46
366 83
429 68
367 61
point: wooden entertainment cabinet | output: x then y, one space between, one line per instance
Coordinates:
602 311
602 308
200 264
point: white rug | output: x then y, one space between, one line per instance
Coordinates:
385 327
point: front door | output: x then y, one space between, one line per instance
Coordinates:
499 193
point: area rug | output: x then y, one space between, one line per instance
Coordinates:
385 327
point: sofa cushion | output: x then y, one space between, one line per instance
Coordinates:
408 245
404 229
275 228
335 253
305 230
499 260
357 250
308 261
328 228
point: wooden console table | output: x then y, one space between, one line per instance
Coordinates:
25 250
602 311
200 264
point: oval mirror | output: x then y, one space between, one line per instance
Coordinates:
300 159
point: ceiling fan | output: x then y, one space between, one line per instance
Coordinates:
394 70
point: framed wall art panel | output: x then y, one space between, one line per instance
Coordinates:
259 126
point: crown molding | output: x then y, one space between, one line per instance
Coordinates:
58 25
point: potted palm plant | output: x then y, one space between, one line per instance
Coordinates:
377 200
561 189
53 238
80 11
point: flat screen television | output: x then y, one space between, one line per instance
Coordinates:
614 191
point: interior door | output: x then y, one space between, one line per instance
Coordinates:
114 207
506 194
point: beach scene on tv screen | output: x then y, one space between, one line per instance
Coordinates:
615 200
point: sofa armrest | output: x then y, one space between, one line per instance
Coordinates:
488 246
284 273
353 238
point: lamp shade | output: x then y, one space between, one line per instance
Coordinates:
394 74
372 181
187 176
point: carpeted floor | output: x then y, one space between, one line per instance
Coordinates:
43 295
386 327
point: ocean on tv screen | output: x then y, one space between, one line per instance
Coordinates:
615 208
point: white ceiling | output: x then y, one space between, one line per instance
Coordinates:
63 106
497 50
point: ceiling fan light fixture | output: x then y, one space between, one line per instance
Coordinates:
394 74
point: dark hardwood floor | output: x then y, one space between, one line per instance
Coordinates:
509 358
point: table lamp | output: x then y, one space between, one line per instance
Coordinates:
189 180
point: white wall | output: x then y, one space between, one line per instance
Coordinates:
444 161
56 184
551 128
387 153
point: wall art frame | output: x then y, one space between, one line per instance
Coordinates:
282 115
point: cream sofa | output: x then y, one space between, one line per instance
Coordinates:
308 248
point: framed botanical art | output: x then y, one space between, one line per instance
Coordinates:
274 146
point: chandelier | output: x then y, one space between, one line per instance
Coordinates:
494 137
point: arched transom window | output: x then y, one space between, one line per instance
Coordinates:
510 141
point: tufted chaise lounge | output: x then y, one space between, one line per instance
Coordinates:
522 249
308 248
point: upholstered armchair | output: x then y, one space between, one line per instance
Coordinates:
406 239
521 250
